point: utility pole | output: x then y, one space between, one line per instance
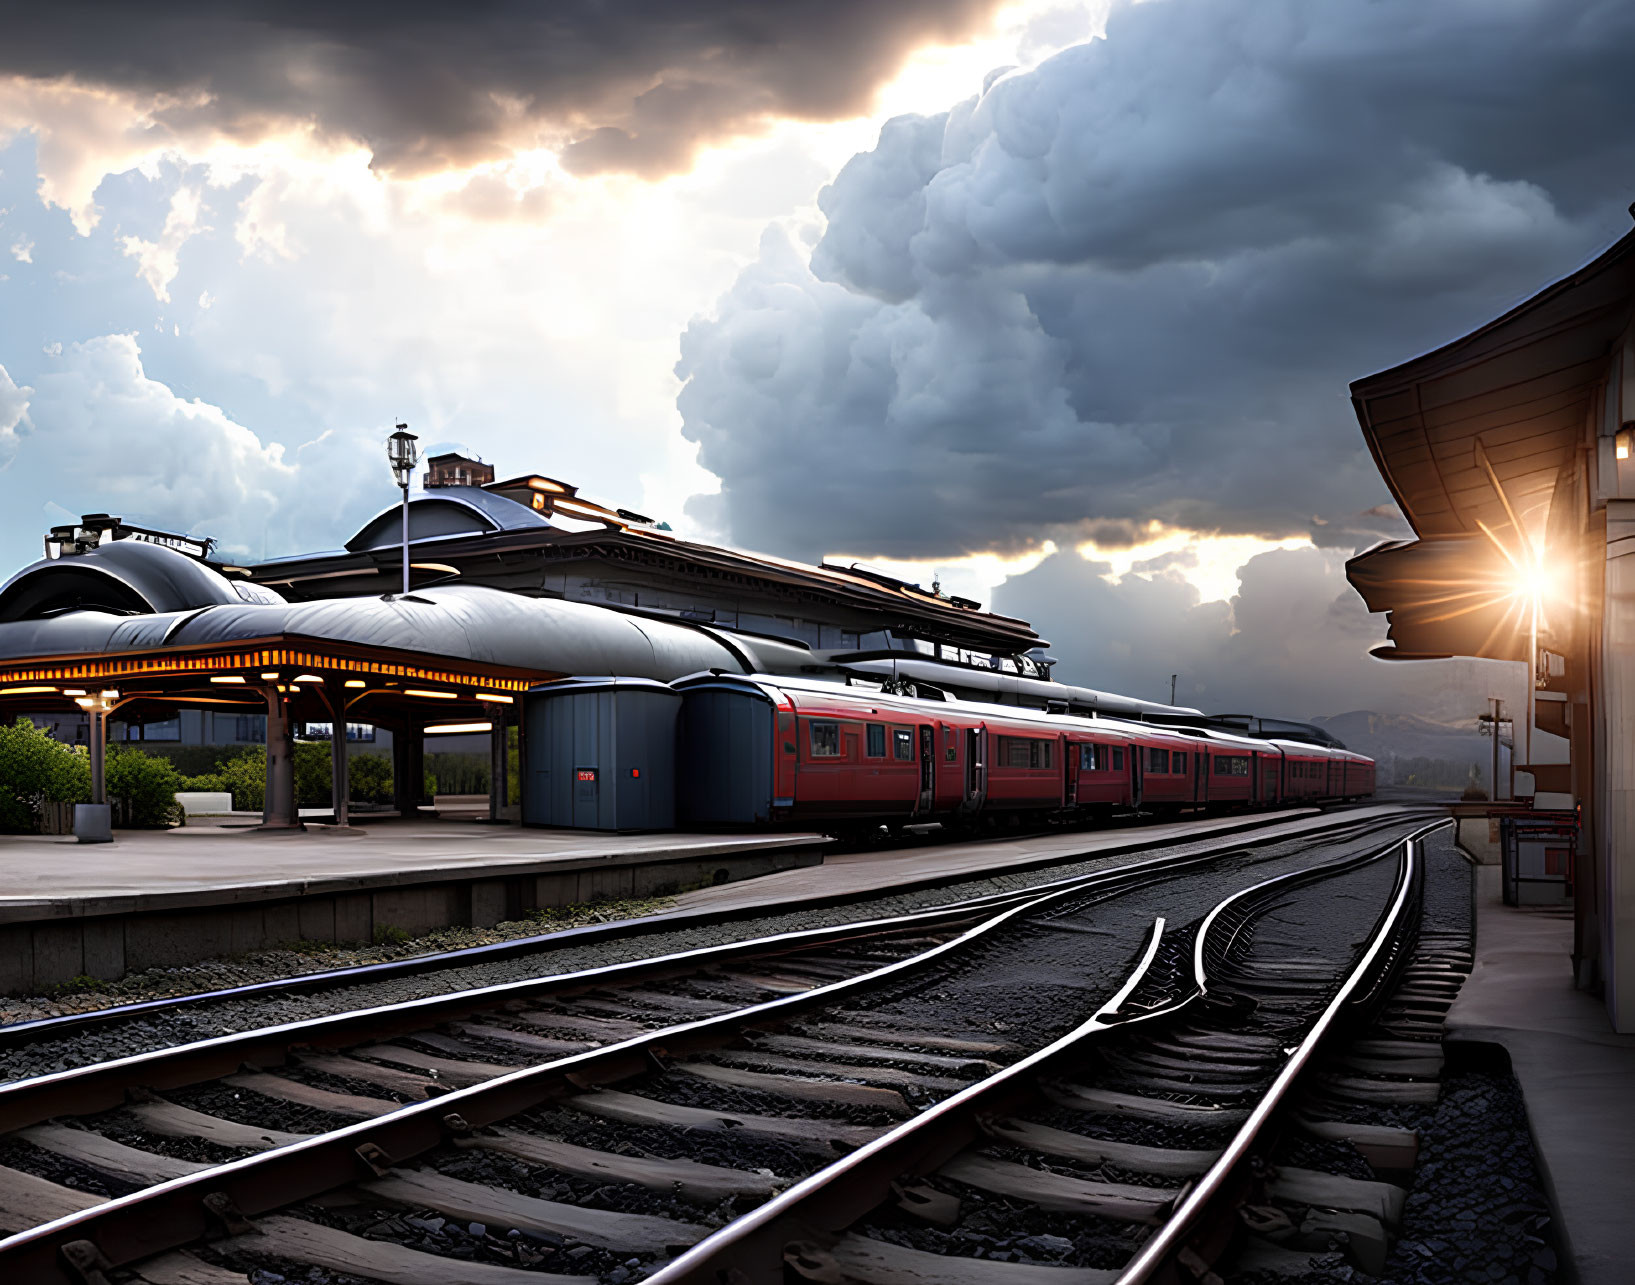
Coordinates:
1172 679
1493 780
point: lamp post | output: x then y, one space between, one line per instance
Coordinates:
93 820
401 451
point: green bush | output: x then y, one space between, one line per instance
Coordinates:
245 776
147 784
371 778
36 768
209 783
312 782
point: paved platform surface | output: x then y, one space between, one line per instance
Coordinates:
1577 1076
883 870
207 865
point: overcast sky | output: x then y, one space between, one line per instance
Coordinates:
1058 302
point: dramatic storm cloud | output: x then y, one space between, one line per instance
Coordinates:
633 87
135 449
1134 282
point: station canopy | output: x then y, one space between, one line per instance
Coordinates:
1475 441
147 627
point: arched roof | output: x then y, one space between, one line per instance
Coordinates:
124 577
449 512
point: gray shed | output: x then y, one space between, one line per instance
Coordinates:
601 754
724 752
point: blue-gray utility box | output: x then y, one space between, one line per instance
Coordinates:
600 754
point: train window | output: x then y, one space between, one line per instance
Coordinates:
1019 751
1231 765
825 740
902 744
1179 760
1118 760
1157 760
950 746
1092 758
877 741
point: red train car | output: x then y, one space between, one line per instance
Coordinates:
762 750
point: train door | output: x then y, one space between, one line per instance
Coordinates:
1266 767
1199 762
1070 768
928 769
1134 753
976 767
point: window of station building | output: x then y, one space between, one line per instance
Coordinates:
249 727
169 729
825 739
877 741
1158 760
902 744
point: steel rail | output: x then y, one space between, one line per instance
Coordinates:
13 1034
751 1248
172 1214
1169 1240
103 1085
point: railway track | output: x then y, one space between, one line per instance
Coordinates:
67 1027
1174 1088
739 1070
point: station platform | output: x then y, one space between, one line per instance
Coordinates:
160 898
887 871
1577 1076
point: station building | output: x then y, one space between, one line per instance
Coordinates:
514 584
1511 453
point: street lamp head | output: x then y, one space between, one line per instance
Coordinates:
401 451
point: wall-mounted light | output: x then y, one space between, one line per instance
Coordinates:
306 678
1620 443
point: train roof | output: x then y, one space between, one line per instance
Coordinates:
1075 722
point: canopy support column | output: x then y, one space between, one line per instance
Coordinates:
340 773
498 765
408 766
97 728
1615 767
279 811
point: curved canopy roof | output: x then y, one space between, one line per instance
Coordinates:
193 606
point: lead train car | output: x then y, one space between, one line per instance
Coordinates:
777 751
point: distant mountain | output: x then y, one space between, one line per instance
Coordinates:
1406 745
